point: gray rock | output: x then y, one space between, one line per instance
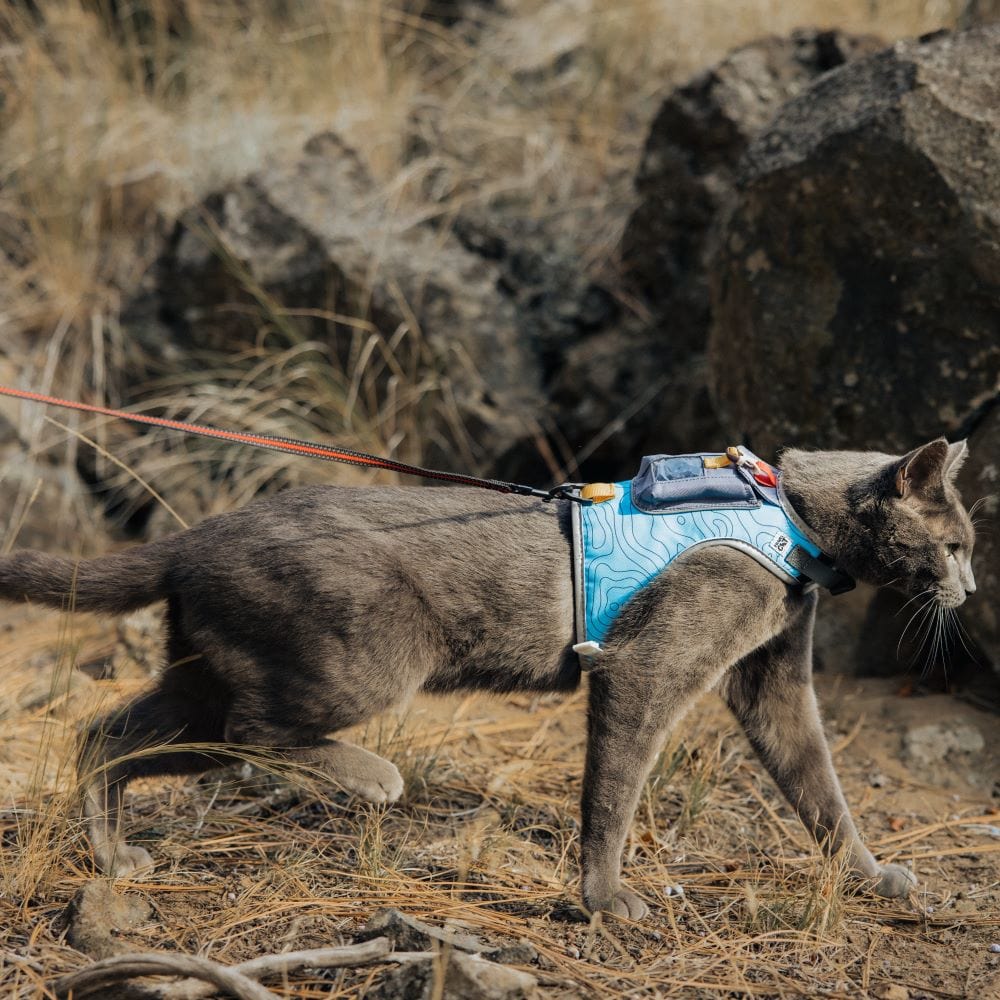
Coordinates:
521 953
856 285
96 914
689 165
939 741
469 977
466 977
410 934
656 361
312 234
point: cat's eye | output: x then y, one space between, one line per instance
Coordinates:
953 548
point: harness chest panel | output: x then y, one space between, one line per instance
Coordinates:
621 547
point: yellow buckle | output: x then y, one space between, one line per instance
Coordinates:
597 492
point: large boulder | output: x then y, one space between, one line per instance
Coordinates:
689 163
856 283
640 383
856 287
311 249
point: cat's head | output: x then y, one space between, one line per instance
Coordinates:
891 520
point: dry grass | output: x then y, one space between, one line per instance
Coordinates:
486 837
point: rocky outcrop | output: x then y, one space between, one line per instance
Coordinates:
310 249
640 383
856 288
688 167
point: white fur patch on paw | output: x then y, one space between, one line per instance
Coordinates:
895 881
126 862
384 786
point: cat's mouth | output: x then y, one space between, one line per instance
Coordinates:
950 598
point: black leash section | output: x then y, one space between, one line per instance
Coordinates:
565 491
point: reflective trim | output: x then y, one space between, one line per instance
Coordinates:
579 607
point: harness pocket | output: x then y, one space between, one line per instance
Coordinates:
669 483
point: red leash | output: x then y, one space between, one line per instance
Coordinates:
291 446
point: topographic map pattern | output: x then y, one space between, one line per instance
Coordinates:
625 548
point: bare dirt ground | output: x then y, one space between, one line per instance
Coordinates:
485 839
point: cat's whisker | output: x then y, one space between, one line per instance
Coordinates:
978 504
922 593
963 634
931 635
918 615
934 639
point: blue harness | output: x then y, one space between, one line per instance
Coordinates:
677 503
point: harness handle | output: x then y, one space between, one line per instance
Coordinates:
565 491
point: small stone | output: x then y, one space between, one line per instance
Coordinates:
933 743
522 953
410 934
96 914
466 977
674 890
893 992
475 978
995 948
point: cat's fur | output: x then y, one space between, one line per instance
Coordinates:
311 611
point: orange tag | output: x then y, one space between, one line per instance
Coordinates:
765 475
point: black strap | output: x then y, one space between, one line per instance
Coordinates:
820 570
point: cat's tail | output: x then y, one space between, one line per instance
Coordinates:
115 583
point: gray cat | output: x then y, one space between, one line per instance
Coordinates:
312 611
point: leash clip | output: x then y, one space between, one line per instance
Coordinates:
567 491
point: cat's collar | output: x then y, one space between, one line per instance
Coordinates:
820 569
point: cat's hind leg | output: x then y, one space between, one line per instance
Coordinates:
148 736
259 722
352 768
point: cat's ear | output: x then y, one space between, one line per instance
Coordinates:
957 454
922 470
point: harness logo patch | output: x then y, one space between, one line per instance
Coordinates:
781 544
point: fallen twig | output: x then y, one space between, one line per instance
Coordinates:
239 980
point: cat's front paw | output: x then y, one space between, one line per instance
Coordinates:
123 861
894 881
621 902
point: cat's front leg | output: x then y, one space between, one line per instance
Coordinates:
623 738
771 693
